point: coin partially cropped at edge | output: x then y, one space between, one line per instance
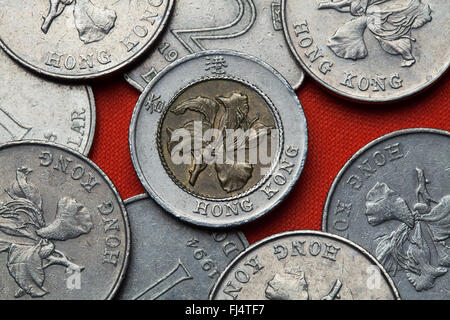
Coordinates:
32 108
393 198
249 26
64 231
80 39
371 51
304 265
218 138
172 260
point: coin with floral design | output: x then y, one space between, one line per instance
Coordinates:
32 108
304 265
248 26
80 39
370 50
393 198
218 139
64 231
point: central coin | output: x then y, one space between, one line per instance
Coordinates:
218 138
224 117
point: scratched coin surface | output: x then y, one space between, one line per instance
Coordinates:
393 198
304 265
80 39
32 108
370 50
172 260
64 231
218 138
249 26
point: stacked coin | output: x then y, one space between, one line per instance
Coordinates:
218 138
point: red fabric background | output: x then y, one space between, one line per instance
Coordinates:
336 128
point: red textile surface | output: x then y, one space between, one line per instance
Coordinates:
336 128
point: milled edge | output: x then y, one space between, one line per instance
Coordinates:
93 109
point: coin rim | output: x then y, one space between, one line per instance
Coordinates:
408 94
334 237
110 184
93 75
137 166
93 107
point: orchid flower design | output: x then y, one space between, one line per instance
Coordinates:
92 23
390 21
418 245
22 217
222 113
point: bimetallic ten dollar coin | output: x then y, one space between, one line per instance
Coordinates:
80 39
32 108
64 231
218 138
248 26
393 198
370 50
304 265
172 260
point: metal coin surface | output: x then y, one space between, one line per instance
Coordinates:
171 260
80 39
218 138
393 198
304 265
248 26
370 50
34 109
64 231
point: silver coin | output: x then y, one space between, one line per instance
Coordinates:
80 39
304 265
64 231
34 109
248 26
218 138
393 198
171 260
370 50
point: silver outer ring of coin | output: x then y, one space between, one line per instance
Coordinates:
111 186
334 90
158 57
149 183
146 197
264 241
22 75
356 156
89 76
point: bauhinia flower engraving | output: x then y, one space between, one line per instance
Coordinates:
390 21
22 217
92 23
293 285
418 245
224 115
